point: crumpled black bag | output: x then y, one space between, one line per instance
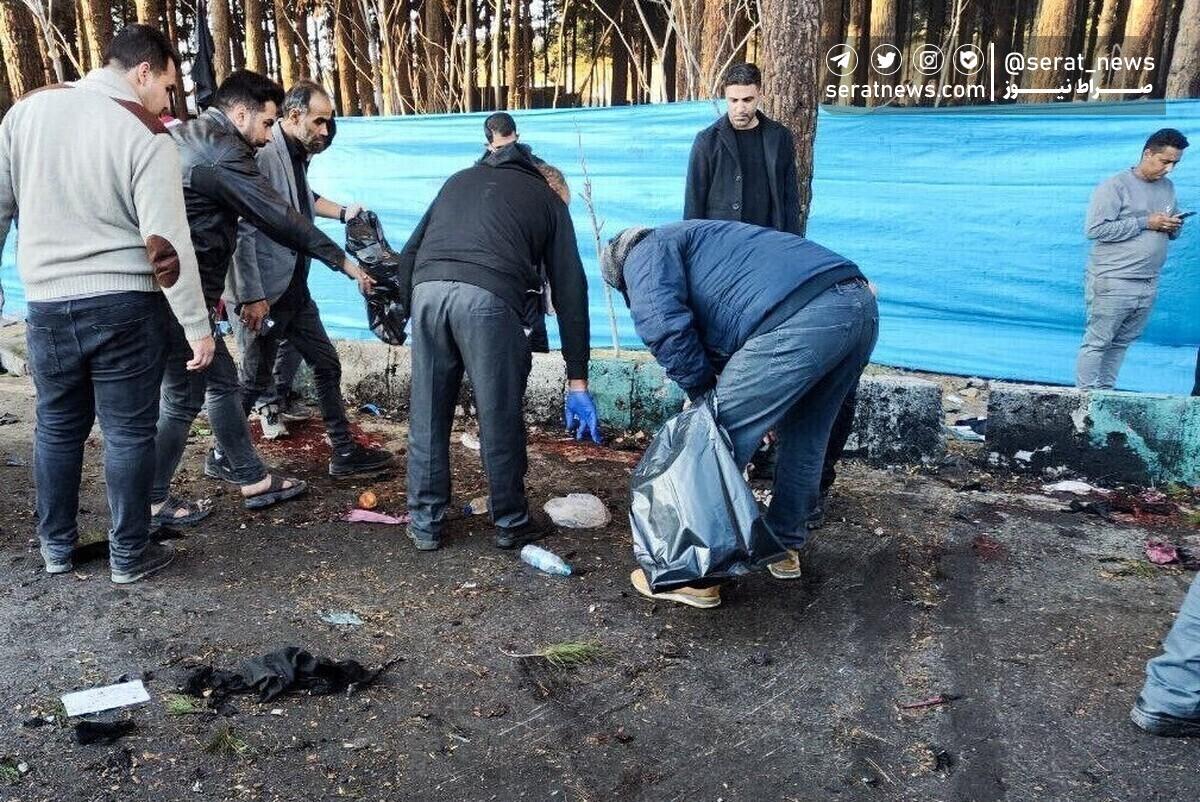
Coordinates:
388 304
692 513
288 669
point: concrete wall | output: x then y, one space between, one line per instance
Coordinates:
1129 437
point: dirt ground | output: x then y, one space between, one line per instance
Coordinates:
1032 622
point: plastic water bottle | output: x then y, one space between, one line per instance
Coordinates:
544 560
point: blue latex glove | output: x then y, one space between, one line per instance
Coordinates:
580 414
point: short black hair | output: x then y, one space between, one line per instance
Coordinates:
1166 138
741 75
249 89
136 43
301 95
501 123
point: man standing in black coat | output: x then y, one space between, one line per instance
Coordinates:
474 261
743 166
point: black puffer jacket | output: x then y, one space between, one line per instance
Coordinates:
221 182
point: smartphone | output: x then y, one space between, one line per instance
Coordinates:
1184 215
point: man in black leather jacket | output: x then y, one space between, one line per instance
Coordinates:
222 183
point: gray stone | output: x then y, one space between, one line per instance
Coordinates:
898 419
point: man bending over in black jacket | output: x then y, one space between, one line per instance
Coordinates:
474 259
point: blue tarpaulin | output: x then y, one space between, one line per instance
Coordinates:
970 221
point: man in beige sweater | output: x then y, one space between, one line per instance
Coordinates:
91 178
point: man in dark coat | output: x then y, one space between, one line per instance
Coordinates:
474 261
778 327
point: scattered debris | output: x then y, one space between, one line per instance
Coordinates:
179 705
38 721
988 548
952 403
355 745
105 732
965 433
469 440
1161 553
8 418
288 669
341 618
476 506
578 511
368 500
15 462
1127 567
226 743
108 697
760 658
932 701
12 769
564 655
1099 508
545 560
1073 486
977 424
494 711
371 409
357 516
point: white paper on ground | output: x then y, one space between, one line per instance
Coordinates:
93 700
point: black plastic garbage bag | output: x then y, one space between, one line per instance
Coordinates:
388 303
692 513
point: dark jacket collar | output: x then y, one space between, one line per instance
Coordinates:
511 157
221 120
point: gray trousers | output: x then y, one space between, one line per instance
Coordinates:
1117 312
457 327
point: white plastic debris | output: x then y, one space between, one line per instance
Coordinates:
965 433
469 440
94 700
341 618
1023 456
1073 486
578 511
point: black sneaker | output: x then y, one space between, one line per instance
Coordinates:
536 528
355 458
155 557
217 466
1163 724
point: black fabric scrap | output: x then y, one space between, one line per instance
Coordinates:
1099 508
90 732
288 669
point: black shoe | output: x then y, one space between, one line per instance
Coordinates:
536 528
217 466
155 557
762 464
355 458
1163 724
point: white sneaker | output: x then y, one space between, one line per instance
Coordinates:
273 426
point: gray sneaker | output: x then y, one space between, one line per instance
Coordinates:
294 409
55 567
156 557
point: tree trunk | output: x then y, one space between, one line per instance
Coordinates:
181 108
6 97
1049 38
219 23
97 22
256 49
150 12
882 31
832 30
790 37
1184 77
1143 38
857 31
237 37
285 41
402 46
19 38
515 59
497 30
470 77
365 65
714 45
343 45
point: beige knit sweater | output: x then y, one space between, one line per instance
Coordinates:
92 180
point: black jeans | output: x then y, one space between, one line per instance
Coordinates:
96 357
184 392
457 326
301 327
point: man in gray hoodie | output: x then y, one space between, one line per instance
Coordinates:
1130 220
96 265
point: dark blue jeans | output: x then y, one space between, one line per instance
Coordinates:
793 379
96 357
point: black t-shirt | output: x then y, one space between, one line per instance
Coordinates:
756 187
297 289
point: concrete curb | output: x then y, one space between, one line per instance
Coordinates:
1107 436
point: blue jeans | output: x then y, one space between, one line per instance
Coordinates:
184 392
1173 678
793 379
96 357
